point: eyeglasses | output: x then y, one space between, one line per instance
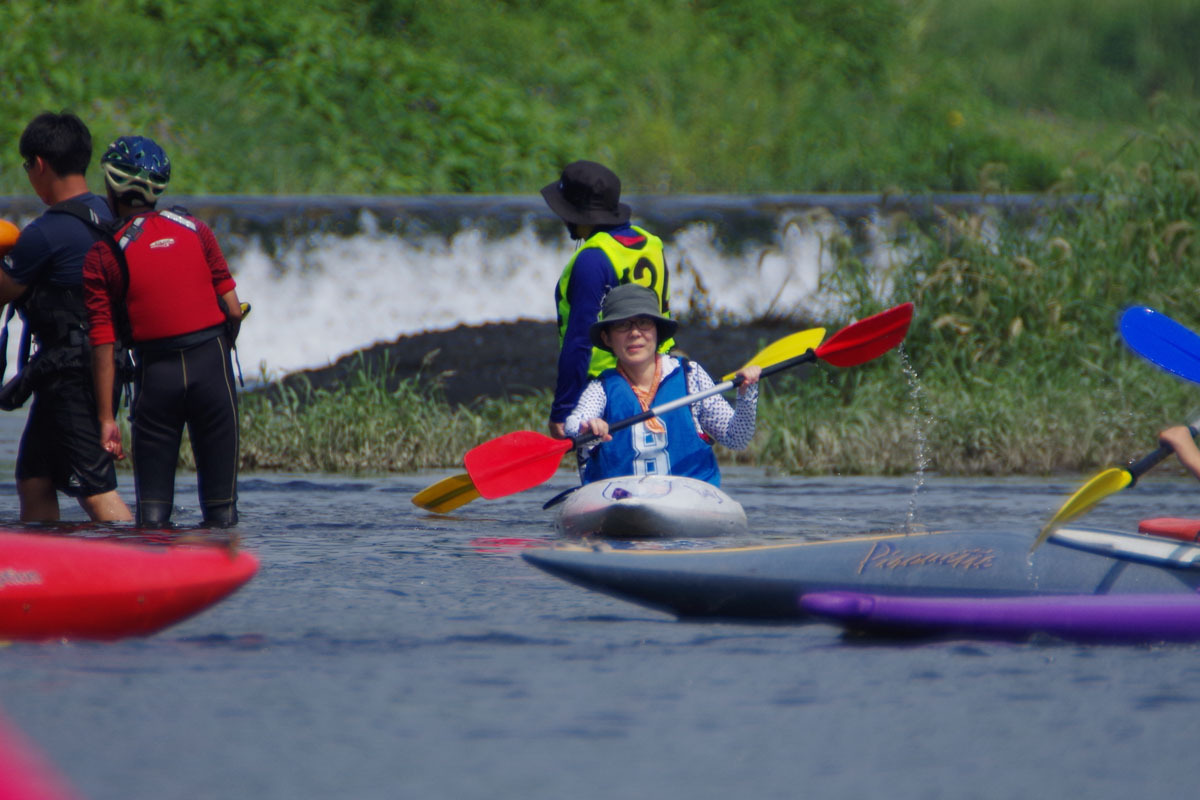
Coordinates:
643 324
30 163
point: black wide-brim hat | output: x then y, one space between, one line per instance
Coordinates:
627 301
587 193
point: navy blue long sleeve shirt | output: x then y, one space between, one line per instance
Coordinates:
592 276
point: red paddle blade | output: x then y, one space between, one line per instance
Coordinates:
868 338
514 462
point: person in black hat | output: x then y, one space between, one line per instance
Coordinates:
587 197
676 443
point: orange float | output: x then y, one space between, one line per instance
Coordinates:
8 236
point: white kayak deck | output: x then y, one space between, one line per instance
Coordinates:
651 506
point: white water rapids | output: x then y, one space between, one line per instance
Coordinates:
329 276
328 296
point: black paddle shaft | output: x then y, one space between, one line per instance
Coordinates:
1142 465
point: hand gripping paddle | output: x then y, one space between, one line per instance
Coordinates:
1110 481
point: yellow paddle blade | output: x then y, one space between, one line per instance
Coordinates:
1110 481
788 347
447 494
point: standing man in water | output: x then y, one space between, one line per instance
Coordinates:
612 252
43 275
163 284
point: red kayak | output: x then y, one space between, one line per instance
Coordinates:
60 586
1186 530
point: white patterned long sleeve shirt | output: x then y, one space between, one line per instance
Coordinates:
732 427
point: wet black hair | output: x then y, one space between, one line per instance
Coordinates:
62 140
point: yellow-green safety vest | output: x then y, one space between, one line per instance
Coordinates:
644 266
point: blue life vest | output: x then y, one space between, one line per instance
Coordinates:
638 451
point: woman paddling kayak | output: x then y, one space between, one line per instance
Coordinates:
678 442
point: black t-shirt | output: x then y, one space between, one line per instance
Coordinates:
52 247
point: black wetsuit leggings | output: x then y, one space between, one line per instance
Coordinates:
193 387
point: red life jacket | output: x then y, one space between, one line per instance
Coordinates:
170 290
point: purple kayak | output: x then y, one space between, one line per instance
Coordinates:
1081 617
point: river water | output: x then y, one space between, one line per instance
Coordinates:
383 652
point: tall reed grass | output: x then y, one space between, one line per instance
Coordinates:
363 426
1015 337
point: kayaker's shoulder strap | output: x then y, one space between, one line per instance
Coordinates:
180 216
685 364
689 373
103 231
176 214
85 214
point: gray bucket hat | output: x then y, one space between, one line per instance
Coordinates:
587 193
626 302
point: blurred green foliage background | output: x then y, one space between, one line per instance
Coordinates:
493 96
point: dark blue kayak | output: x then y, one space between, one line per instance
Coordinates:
766 582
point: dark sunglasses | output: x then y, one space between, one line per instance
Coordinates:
30 163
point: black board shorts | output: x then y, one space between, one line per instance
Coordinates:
62 437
